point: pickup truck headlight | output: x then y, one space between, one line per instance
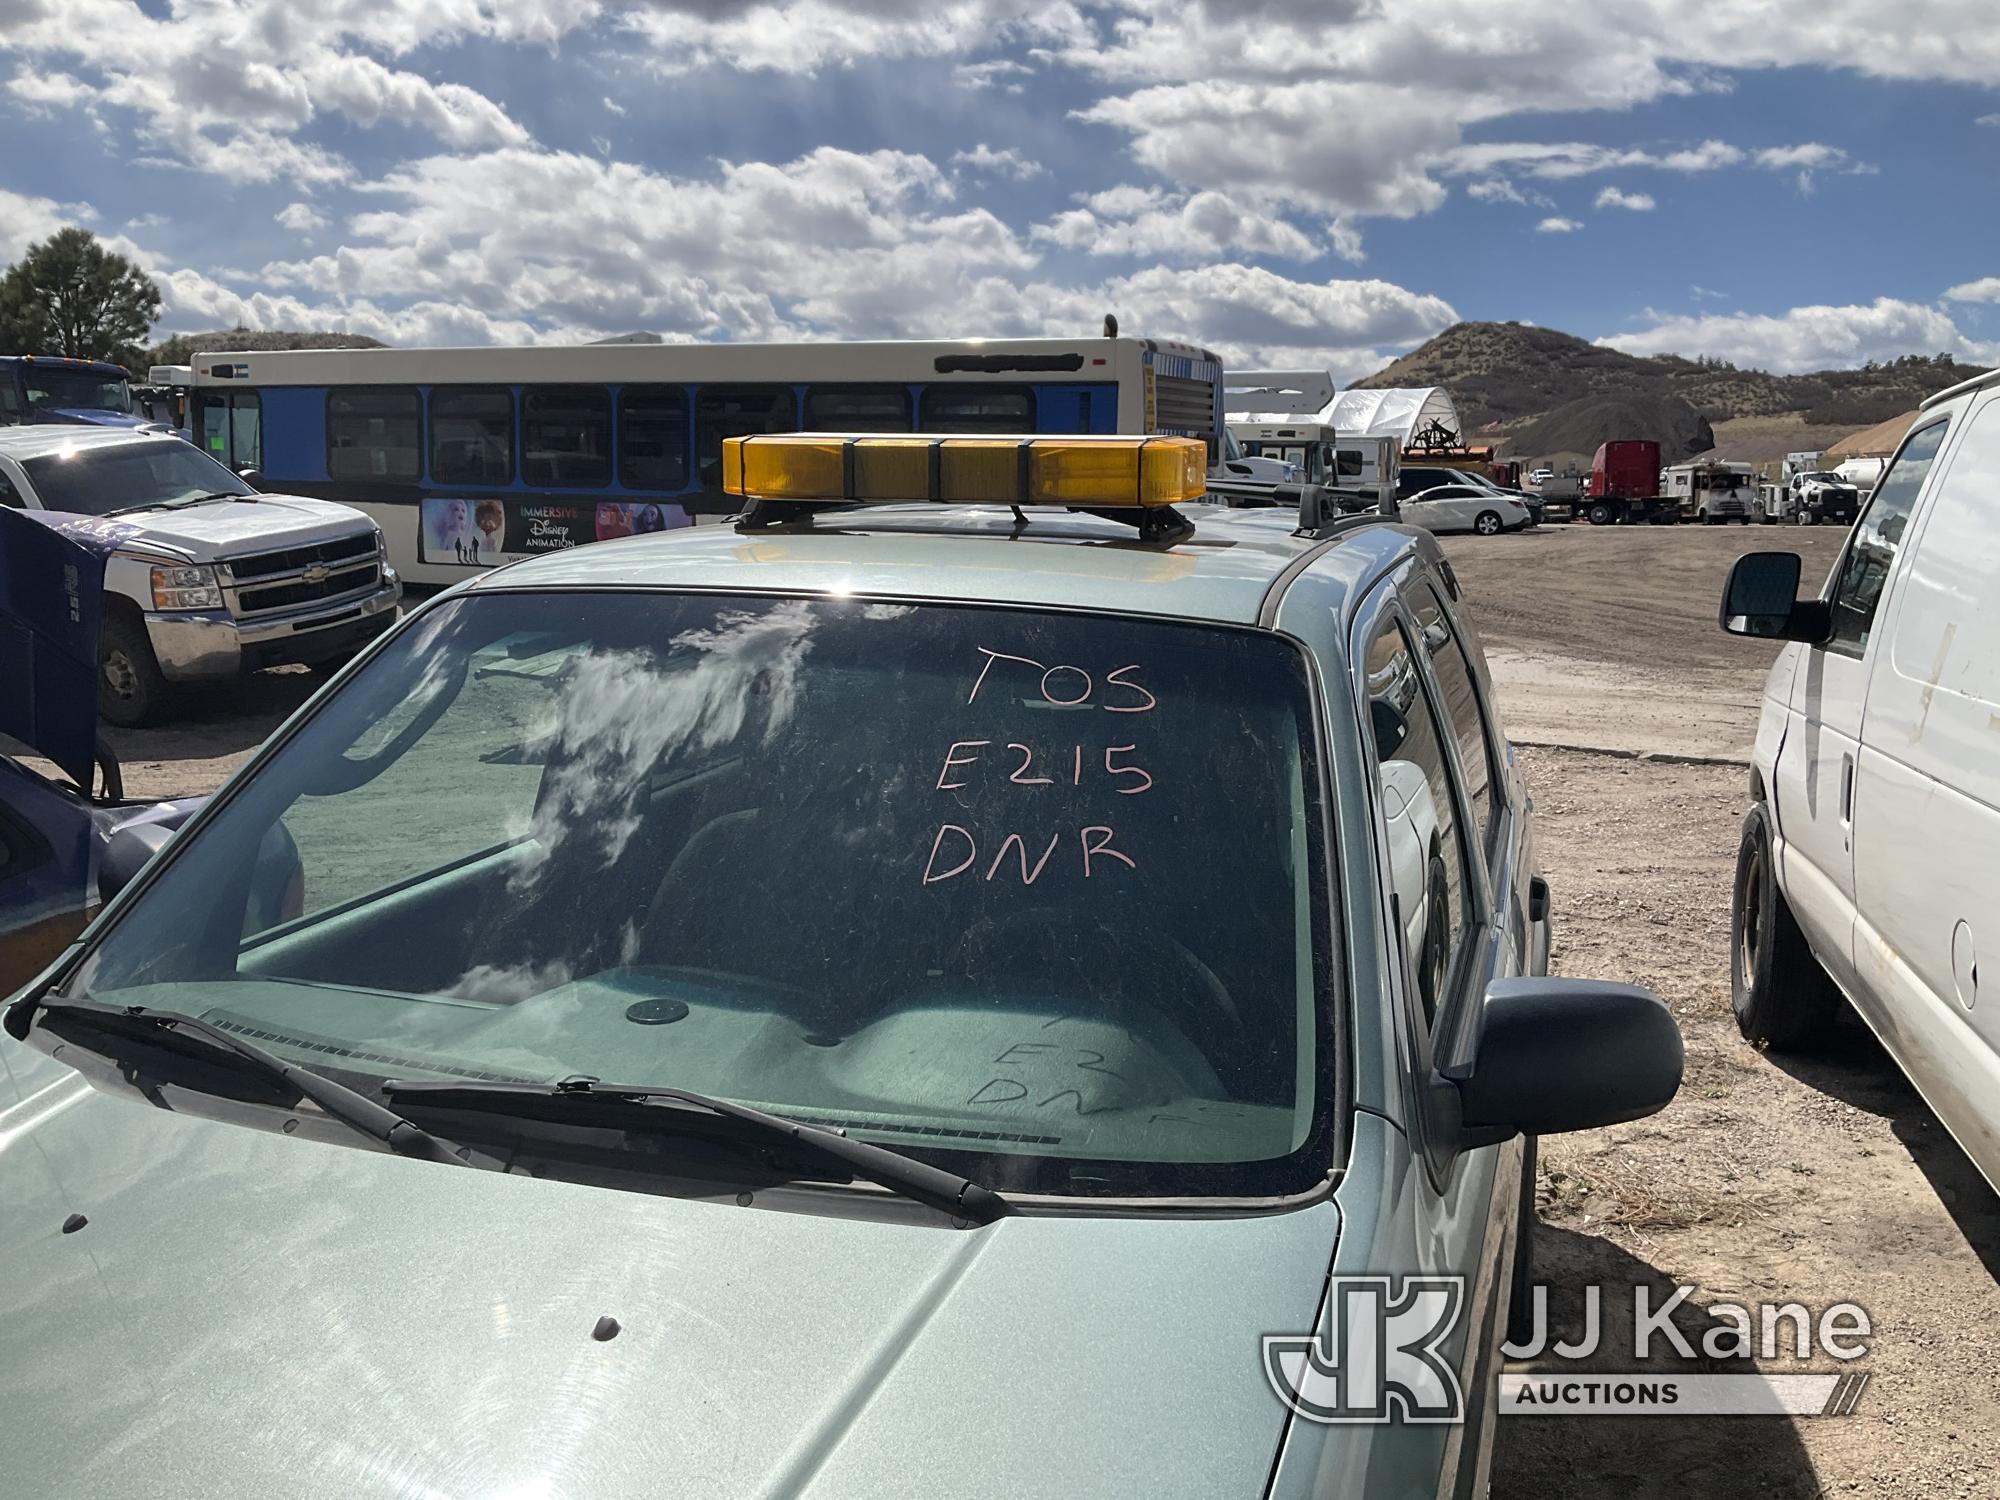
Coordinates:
186 588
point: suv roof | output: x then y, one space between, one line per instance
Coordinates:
1225 571
35 440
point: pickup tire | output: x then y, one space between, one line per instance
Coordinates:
130 688
1782 997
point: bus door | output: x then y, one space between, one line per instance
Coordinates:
231 430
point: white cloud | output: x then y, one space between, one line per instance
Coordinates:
302 218
1986 289
875 248
1640 203
805 37
1556 224
1001 73
1255 317
224 87
1003 163
25 219
1149 223
1343 148
1988 120
613 105
1501 190
1810 338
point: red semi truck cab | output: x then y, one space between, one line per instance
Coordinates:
1625 483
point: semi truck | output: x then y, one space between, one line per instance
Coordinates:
1625 484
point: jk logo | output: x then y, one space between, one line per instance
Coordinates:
1376 1358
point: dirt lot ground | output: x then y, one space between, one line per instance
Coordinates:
1819 1180
1816 1181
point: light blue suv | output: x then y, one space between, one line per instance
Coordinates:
864 1002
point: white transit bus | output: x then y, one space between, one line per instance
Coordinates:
471 457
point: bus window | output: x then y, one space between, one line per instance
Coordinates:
472 436
973 408
10 396
232 428
858 408
652 437
566 435
727 411
374 433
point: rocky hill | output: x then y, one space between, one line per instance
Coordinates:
179 348
1537 391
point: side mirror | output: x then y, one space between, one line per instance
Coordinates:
1761 600
1391 727
251 477
126 853
1568 1054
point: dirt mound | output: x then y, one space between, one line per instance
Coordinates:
1580 426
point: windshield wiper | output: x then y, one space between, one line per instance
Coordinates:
620 1106
149 1027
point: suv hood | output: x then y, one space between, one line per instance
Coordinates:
247 1313
227 528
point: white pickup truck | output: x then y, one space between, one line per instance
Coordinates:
210 578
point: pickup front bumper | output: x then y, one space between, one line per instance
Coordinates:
201 645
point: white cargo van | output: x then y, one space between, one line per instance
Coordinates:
210 577
1870 857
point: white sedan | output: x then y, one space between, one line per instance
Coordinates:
1461 507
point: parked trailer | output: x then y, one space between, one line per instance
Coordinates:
1625 484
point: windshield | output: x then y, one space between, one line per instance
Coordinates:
53 389
93 480
1039 896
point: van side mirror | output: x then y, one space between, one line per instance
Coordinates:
1761 600
1567 1054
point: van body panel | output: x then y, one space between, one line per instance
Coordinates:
1927 797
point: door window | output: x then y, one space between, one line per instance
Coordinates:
232 428
1871 552
1451 668
1429 868
10 399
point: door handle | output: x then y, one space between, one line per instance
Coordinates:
1847 788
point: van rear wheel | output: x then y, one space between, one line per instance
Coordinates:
1782 997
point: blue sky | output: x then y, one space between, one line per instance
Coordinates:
1785 183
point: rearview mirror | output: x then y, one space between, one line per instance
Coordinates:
1761 600
1568 1054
